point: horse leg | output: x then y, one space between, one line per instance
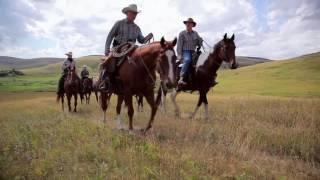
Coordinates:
176 107
96 94
75 102
140 103
128 101
205 101
82 94
164 100
87 98
118 108
197 107
69 101
104 105
89 94
62 102
151 102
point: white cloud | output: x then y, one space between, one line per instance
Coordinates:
291 28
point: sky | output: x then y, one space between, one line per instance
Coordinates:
271 29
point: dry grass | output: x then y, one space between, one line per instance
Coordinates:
246 137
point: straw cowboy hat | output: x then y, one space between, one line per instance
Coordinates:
132 8
69 54
190 20
84 66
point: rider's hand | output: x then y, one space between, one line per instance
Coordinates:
148 38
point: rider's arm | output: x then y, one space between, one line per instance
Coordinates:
110 37
180 44
140 37
200 40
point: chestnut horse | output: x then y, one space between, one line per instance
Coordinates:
138 76
72 87
87 88
224 50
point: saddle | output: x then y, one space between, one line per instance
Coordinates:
122 51
120 54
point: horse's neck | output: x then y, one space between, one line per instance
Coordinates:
149 56
72 77
213 63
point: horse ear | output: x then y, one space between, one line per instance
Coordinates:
174 42
232 37
163 42
225 36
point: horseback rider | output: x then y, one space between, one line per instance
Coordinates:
68 64
123 31
84 72
188 41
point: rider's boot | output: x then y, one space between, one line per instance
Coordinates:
182 81
105 84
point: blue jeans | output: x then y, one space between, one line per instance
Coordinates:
187 59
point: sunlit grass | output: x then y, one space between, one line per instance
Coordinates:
246 137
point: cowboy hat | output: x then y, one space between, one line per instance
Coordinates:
68 54
190 20
84 66
132 8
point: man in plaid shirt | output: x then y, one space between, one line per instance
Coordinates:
123 31
188 41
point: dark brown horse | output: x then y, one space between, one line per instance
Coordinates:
139 74
87 85
72 87
204 75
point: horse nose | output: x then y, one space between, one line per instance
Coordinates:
233 64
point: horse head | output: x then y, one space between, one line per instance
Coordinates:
226 51
167 62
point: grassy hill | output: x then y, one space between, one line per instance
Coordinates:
52 69
44 78
242 60
7 62
295 77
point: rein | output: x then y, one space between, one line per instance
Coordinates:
147 69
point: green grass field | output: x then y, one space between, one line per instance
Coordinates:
246 137
264 124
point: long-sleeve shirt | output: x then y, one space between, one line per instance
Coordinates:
68 64
188 41
122 32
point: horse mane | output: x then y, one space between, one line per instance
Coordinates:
211 61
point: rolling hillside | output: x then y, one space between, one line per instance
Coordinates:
52 69
7 62
295 77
